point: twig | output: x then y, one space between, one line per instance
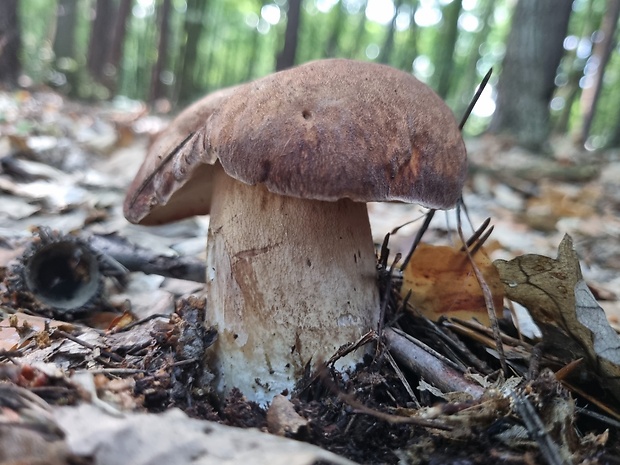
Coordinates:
427 363
488 296
370 336
385 252
477 233
403 379
386 296
474 100
482 240
453 342
136 258
418 237
535 427
392 419
115 357
347 349
141 321
599 417
188 361
397 228
117 371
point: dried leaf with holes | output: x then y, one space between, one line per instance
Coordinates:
443 283
556 295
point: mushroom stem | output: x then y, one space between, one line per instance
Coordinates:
288 282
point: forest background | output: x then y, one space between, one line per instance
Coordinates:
556 63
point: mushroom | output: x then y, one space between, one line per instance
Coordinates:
285 165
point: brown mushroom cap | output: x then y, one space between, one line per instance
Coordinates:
332 129
326 130
161 191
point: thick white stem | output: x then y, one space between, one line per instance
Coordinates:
288 282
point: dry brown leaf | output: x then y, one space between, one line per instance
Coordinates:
172 437
556 295
443 283
282 419
19 328
557 201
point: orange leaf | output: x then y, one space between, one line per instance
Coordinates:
443 283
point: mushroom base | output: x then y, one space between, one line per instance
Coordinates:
289 281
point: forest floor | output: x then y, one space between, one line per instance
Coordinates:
85 388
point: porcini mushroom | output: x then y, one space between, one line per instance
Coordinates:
292 159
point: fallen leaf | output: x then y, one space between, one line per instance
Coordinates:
28 432
173 437
442 283
557 297
19 328
282 419
557 201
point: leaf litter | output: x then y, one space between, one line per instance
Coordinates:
111 380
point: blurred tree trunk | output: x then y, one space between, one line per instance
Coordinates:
360 31
331 48
157 87
120 31
410 51
195 14
614 140
10 42
596 68
100 39
573 67
385 51
286 58
254 54
533 53
468 81
255 50
444 59
64 39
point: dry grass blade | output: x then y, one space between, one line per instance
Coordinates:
398 228
386 296
403 380
535 427
387 417
479 237
593 400
486 292
418 237
475 98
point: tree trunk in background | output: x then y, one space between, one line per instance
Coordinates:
254 54
9 42
468 81
360 31
573 67
444 59
598 61
388 44
120 31
66 16
157 87
100 39
533 53
331 48
193 26
411 48
64 49
614 140
286 58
